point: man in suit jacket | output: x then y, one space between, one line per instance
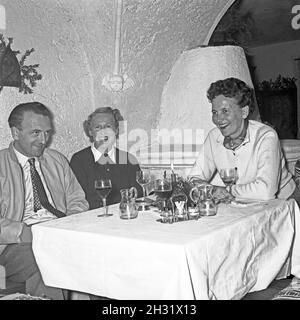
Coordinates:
103 159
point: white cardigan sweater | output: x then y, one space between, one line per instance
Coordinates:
259 161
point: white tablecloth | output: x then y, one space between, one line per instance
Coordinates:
241 249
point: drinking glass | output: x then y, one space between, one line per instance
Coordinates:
229 176
163 190
103 187
143 177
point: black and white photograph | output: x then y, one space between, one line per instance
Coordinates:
149 153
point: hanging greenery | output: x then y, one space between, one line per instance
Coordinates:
16 73
280 83
29 74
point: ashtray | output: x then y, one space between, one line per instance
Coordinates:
175 218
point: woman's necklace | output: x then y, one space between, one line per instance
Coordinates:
232 144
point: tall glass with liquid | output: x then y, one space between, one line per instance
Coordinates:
103 188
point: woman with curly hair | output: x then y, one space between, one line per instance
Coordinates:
251 147
103 160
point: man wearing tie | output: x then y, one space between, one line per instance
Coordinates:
36 185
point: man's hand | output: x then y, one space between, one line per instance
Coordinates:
26 235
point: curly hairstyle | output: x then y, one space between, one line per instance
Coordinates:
232 88
106 110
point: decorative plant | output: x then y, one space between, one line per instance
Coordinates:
28 73
280 83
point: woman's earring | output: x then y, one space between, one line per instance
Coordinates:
245 112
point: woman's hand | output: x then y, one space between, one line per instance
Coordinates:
222 195
196 180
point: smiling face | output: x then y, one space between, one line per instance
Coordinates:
103 129
31 139
228 116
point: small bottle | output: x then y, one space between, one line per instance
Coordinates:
173 180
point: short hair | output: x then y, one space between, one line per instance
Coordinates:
106 110
16 117
232 88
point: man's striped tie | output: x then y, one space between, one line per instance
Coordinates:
40 198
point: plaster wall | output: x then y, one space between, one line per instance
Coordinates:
74 46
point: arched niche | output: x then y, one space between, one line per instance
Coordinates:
185 112
184 104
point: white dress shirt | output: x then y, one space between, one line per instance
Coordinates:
97 154
30 217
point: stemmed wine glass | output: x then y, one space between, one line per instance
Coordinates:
229 176
103 187
143 177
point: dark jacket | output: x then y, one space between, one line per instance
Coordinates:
122 175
